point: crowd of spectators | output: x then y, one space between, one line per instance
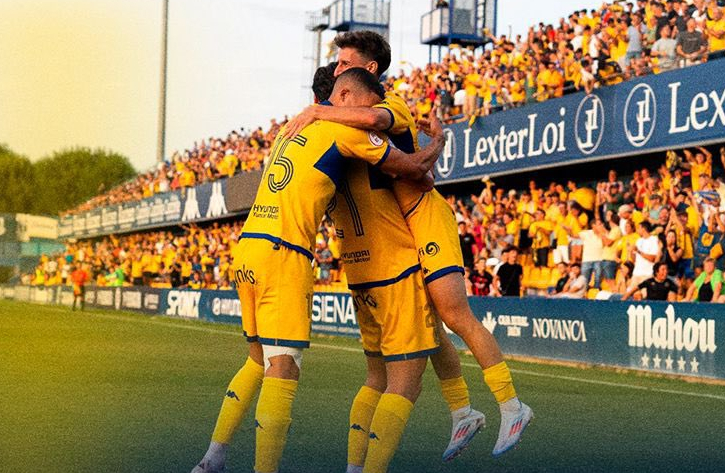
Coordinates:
207 160
657 235
193 257
588 49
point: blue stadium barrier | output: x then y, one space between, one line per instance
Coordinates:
680 339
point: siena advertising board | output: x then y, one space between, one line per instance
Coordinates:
670 110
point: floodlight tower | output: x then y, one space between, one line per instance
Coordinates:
463 22
317 22
347 15
353 15
161 138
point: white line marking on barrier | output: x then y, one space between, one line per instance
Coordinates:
359 350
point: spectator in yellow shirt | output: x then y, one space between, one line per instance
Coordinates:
540 234
715 31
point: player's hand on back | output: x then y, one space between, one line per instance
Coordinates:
299 122
431 126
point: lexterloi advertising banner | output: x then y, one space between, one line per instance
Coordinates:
675 109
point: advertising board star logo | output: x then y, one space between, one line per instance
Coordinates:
681 364
489 322
656 361
694 364
668 362
645 360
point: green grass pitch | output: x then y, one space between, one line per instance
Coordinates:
105 391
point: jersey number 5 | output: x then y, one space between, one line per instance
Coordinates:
279 159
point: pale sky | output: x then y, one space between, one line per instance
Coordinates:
86 72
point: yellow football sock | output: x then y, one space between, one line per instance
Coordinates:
455 392
242 389
361 416
386 429
498 378
272 422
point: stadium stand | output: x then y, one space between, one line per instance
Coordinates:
597 228
588 49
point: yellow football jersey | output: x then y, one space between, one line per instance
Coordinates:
301 178
404 135
377 247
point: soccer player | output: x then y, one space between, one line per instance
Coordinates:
397 325
277 240
79 277
436 236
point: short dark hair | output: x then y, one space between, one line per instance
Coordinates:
646 225
657 267
324 81
365 79
369 44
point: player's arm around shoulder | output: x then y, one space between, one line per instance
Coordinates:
371 147
415 166
365 118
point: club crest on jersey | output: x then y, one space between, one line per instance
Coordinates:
375 139
431 249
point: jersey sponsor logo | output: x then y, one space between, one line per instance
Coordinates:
375 139
352 257
266 211
363 299
431 249
232 395
183 303
244 275
558 329
217 206
669 332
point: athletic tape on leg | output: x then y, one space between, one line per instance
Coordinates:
272 351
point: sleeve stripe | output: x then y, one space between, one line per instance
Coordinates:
392 119
385 156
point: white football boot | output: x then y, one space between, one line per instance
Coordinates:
463 432
515 417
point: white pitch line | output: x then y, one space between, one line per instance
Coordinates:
358 350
